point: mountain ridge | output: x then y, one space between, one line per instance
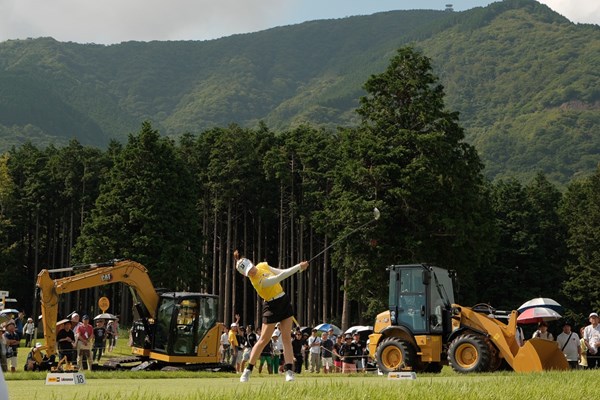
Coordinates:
506 67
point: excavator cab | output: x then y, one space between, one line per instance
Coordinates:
182 321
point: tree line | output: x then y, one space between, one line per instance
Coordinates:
182 207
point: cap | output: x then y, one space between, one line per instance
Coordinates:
567 322
348 336
85 317
38 344
29 319
593 315
233 325
10 322
244 266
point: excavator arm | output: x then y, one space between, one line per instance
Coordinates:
129 272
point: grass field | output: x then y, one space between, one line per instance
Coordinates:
550 385
181 385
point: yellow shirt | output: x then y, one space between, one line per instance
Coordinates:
233 338
262 272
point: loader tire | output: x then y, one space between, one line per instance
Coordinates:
394 354
469 353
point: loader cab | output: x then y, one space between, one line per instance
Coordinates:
182 321
420 298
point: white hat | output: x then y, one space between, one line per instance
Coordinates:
593 315
244 266
38 344
233 325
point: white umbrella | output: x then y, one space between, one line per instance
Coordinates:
105 316
359 329
537 314
540 302
9 311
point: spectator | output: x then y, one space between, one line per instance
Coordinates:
249 342
327 353
348 352
20 324
332 335
306 350
66 343
114 334
569 344
3 350
266 357
298 343
360 365
314 345
99 340
542 332
592 339
277 349
583 363
83 338
234 344
12 341
225 350
29 330
32 365
241 338
337 358
109 334
75 323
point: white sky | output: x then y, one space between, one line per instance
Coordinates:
115 21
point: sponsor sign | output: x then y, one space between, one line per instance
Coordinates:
74 378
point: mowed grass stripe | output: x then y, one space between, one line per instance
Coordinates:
548 385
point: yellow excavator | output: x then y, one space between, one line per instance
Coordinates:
423 330
174 330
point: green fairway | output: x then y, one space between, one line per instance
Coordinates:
549 385
184 385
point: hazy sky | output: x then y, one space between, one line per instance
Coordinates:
115 21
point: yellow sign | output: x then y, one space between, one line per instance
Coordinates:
103 303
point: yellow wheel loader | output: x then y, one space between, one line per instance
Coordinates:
423 330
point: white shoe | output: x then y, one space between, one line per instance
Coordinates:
245 376
289 376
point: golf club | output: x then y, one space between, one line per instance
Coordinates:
376 215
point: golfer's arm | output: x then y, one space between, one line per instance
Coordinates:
279 275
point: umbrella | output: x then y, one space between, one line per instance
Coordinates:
105 316
325 327
540 302
537 314
306 329
359 329
9 311
363 331
62 321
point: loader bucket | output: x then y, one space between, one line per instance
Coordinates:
539 355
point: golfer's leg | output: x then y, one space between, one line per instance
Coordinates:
265 335
286 329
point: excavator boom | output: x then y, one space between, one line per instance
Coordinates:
129 272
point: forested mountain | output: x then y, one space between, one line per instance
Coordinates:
524 79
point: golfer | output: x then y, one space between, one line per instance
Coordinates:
277 307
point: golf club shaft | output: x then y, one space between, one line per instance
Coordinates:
340 239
